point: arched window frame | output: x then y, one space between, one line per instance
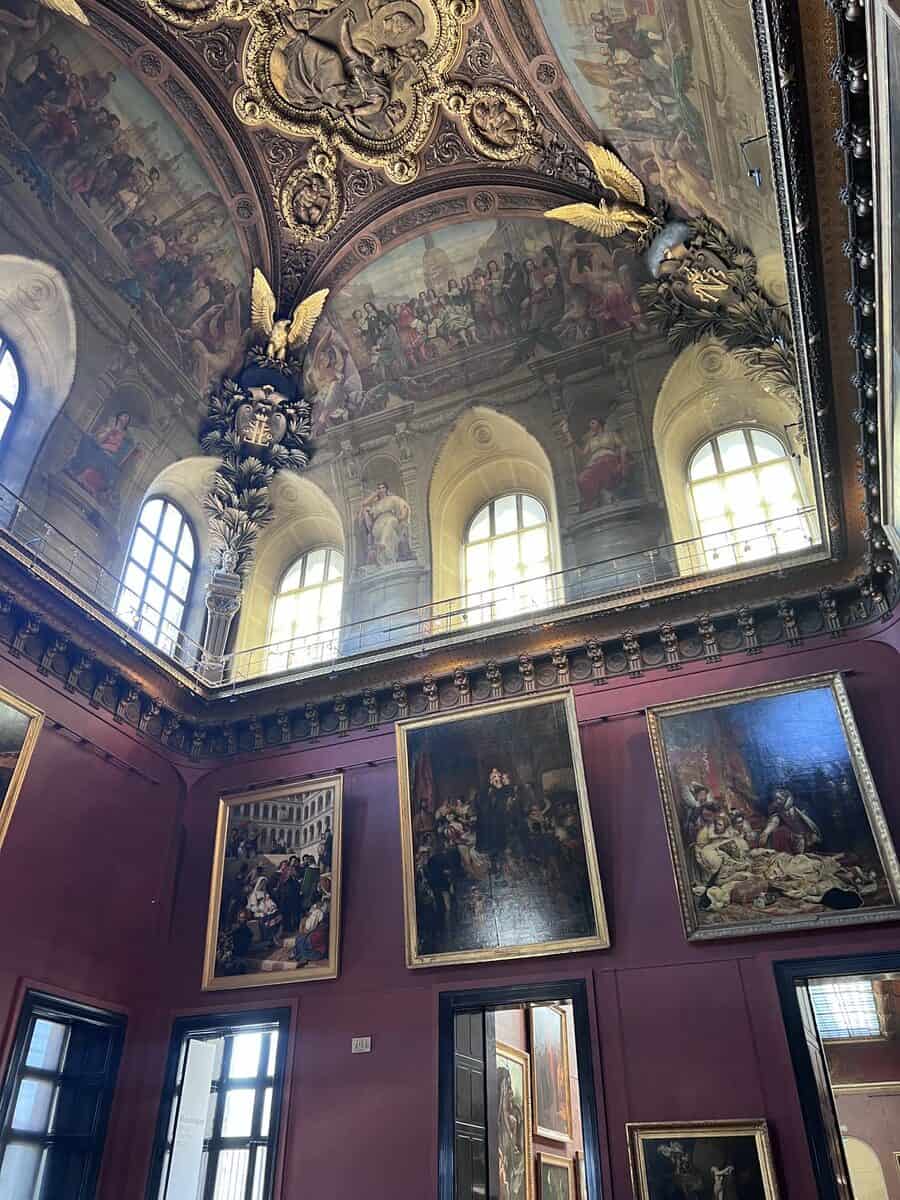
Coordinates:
11 397
740 541
531 588
298 650
149 620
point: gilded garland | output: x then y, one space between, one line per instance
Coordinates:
704 284
258 424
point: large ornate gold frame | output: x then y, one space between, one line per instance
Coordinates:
599 941
8 803
871 803
638 1134
325 970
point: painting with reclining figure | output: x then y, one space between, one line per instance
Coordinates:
773 817
498 850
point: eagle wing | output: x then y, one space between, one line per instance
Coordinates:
598 219
68 8
305 316
613 174
262 304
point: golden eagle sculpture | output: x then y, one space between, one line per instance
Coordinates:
286 334
627 214
68 8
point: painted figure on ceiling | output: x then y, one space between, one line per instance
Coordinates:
97 463
604 463
385 519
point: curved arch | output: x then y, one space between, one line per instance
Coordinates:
485 454
866 1171
38 318
706 391
305 518
185 483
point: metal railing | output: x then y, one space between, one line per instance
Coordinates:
638 575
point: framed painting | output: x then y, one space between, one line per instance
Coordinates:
20 724
716 1160
275 897
581 1172
515 1169
773 819
556 1177
550 1072
498 850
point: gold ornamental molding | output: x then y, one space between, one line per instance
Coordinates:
359 79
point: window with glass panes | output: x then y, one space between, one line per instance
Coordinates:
158 572
237 1063
307 610
10 383
845 1009
56 1099
507 548
747 499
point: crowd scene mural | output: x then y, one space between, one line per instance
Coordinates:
102 149
523 287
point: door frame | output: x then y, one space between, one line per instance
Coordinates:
452 1002
788 974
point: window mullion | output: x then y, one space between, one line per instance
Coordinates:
215 1139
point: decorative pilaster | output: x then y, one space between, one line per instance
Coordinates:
223 602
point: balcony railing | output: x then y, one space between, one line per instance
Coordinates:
773 544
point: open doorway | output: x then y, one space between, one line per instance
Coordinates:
842 1018
517 1112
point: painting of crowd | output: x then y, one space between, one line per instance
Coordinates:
771 823
275 911
501 856
525 285
122 164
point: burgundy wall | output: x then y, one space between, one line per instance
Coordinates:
680 1031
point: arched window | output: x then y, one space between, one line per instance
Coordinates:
746 498
158 574
10 383
307 609
507 555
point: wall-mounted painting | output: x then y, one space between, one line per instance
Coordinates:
714 1160
550 1071
20 724
773 819
498 849
556 1177
515 1169
275 899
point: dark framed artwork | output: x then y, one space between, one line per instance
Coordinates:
556 1177
275 898
551 1082
773 819
20 724
498 850
715 1160
515 1168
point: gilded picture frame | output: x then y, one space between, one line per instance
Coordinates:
785 829
702 1150
547 1163
523 1061
450 767
543 1080
274 916
20 726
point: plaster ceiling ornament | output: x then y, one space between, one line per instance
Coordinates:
704 285
258 423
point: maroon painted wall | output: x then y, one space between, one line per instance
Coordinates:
680 1031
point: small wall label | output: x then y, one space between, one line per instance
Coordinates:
361 1045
